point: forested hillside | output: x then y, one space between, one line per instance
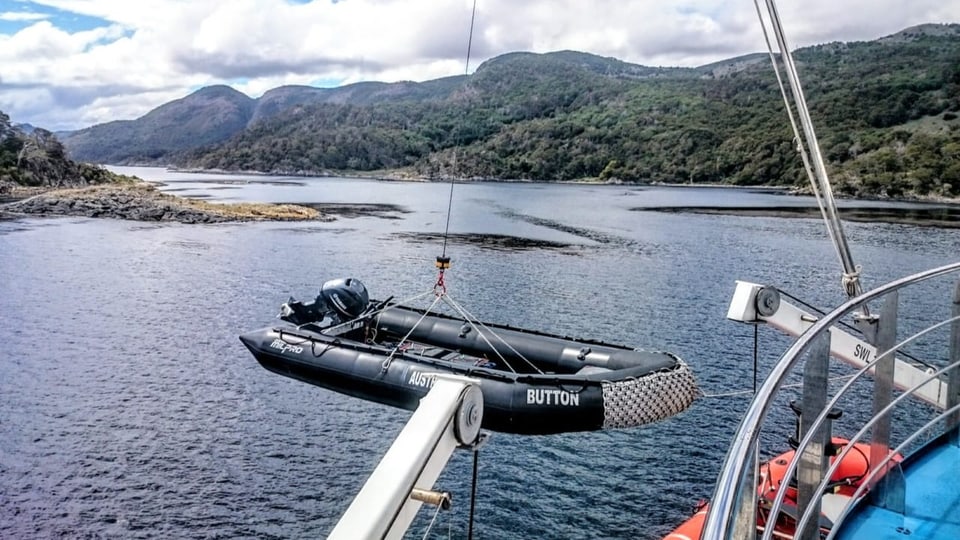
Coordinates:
209 115
38 159
886 113
215 113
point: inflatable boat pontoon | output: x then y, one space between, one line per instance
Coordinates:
532 382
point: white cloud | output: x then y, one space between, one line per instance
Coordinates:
151 51
21 16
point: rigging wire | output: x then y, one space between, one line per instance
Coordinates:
432 521
749 391
817 173
389 359
756 354
369 314
453 176
473 321
801 148
468 318
819 312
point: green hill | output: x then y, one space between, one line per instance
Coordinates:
886 112
209 115
214 114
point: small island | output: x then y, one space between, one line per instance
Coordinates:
141 201
37 178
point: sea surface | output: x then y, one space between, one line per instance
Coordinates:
129 408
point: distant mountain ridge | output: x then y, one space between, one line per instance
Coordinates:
889 108
214 114
920 30
210 115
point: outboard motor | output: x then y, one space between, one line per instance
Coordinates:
348 297
339 300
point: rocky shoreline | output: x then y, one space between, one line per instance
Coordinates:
140 201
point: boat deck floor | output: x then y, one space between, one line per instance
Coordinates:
932 502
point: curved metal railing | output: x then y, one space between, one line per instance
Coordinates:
733 508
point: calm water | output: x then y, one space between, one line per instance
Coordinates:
129 409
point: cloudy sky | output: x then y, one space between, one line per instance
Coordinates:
67 64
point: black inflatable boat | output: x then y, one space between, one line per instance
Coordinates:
532 382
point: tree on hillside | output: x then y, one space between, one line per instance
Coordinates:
44 158
6 128
40 159
10 147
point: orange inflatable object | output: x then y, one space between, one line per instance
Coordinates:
691 528
845 481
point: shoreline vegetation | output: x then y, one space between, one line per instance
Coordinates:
407 176
132 198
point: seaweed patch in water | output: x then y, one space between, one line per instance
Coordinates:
178 189
582 232
314 230
354 210
935 216
490 241
243 181
14 227
198 196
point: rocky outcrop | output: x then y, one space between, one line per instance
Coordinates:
143 202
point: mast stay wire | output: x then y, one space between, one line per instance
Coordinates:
801 148
816 172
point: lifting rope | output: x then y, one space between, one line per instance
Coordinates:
443 260
748 391
473 322
756 359
443 264
432 521
473 493
386 361
453 176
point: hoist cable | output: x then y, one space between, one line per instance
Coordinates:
459 137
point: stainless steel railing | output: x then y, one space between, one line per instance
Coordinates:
733 508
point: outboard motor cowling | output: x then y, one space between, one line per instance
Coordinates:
339 300
347 296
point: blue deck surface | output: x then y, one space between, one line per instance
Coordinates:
932 502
